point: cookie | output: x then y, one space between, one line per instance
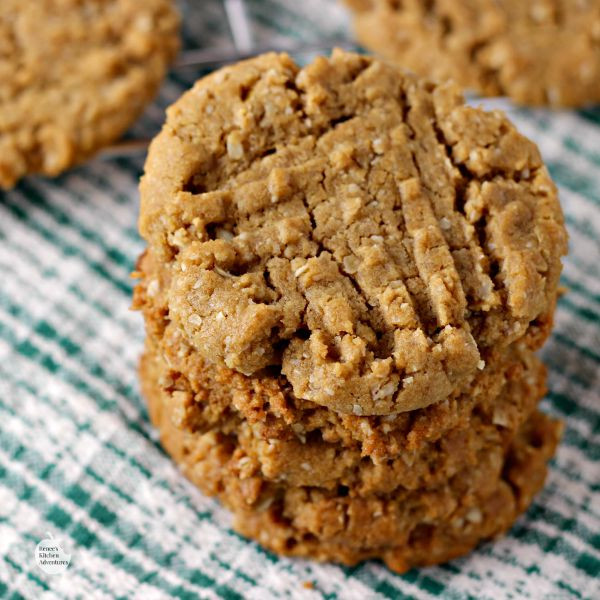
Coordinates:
75 76
347 275
545 52
360 230
404 526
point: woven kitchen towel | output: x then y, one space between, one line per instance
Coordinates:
80 462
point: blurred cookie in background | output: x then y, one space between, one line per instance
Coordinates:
545 52
75 75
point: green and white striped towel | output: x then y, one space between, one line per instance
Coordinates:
80 460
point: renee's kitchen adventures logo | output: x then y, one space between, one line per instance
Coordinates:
50 556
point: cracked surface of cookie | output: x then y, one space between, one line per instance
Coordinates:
363 230
360 230
544 52
75 75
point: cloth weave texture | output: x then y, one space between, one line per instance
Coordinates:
80 459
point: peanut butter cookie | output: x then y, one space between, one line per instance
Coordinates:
363 231
544 52
75 76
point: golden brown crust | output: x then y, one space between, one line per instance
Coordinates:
363 231
76 83
541 52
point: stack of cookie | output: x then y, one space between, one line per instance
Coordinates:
348 272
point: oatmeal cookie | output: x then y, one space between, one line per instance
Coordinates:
75 76
544 52
361 231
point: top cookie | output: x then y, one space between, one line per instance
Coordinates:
359 229
75 75
544 52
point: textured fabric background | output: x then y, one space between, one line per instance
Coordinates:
79 458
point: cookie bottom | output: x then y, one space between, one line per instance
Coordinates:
404 528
